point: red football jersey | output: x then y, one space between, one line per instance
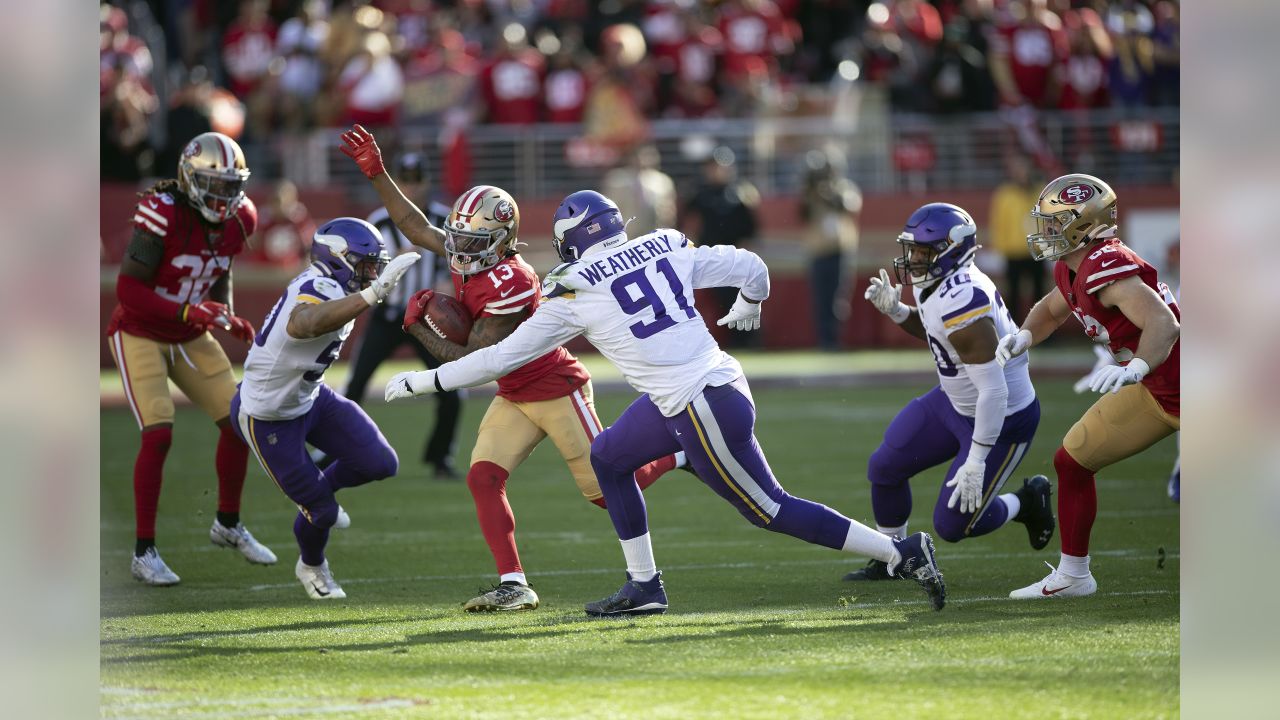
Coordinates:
196 254
1034 50
509 287
1114 261
512 88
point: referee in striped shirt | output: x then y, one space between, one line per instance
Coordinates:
383 335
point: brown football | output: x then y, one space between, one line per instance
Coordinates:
448 318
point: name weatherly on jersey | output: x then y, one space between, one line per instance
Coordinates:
621 262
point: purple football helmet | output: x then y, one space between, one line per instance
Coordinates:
350 251
582 220
947 235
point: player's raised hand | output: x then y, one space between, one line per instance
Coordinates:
1114 377
241 329
416 308
410 384
968 486
883 294
381 287
1012 345
206 314
744 315
359 145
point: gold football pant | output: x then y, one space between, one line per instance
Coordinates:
198 367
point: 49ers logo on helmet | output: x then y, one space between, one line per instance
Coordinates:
504 212
192 149
1075 194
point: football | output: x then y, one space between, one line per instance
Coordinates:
448 318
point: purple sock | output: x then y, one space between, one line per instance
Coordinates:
311 540
891 504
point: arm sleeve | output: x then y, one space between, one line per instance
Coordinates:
993 400
727 266
142 299
554 324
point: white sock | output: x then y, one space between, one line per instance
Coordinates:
1074 566
681 459
513 577
1012 502
862 540
639 554
893 532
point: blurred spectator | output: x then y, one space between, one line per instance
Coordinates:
692 83
1025 51
724 213
511 85
300 72
829 207
126 100
887 61
757 41
1084 74
190 113
118 50
1133 65
957 77
1009 223
440 82
643 191
284 232
621 95
1167 54
371 86
248 46
566 86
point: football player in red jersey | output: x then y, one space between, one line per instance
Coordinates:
1122 305
549 397
174 285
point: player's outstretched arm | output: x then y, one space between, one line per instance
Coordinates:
359 145
1046 316
1144 308
887 298
976 346
314 320
485 332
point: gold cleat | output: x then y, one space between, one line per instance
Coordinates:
504 596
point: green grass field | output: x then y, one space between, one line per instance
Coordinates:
760 625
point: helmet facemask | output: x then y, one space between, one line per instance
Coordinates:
1049 242
217 195
472 251
943 257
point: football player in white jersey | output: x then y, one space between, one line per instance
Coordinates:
632 298
283 403
981 418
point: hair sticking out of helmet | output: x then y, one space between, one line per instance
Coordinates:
584 219
350 251
937 240
481 230
212 173
1071 212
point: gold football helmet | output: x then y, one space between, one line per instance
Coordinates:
1071 211
481 230
212 172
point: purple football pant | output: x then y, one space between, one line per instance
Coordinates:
341 430
929 432
716 433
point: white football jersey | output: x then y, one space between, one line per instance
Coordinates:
633 300
956 302
282 374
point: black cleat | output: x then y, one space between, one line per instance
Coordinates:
874 570
919 564
1036 497
634 598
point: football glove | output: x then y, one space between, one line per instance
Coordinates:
381 287
1012 345
410 384
968 486
416 308
206 314
359 145
887 297
744 315
242 329
1114 377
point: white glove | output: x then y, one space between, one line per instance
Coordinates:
968 486
1104 360
1114 377
887 297
744 315
391 274
1011 346
410 384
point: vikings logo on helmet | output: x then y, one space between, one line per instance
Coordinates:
1075 194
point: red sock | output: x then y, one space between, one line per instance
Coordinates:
488 485
649 474
230 461
1077 503
148 473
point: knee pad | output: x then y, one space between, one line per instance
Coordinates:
485 476
324 513
949 525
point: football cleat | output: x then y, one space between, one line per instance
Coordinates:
344 520
1057 585
318 581
917 562
507 595
150 569
874 570
1036 511
634 598
241 539
1175 483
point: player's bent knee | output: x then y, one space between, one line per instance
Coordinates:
323 514
158 438
387 463
950 526
1065 464
882 468
485 476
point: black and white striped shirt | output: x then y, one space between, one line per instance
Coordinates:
425 273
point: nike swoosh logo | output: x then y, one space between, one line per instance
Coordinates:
1047 592
506 293
320 591
1107 263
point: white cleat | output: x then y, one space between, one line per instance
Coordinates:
239 538
318 581
1057 585
344 520
151 570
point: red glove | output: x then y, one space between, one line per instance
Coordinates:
242 329
416 308
207 313
358 144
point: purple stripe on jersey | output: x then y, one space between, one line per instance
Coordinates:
978 300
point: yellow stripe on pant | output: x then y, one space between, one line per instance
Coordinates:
995 483
724 475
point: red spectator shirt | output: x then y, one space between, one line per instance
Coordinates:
566 95
1034 51
1084 83
511 287
247 51
752 37
284 239
1110 262
512 88
196 254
